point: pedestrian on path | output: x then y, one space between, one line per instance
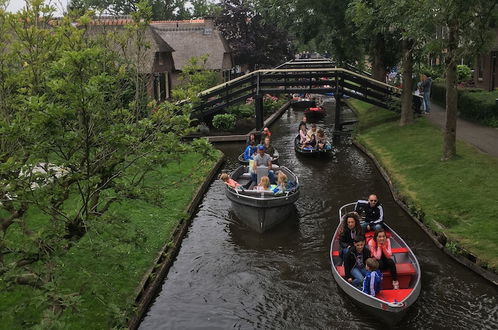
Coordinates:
425 87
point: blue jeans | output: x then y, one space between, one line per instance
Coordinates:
271 176
358 275
372 226
343 253
427 102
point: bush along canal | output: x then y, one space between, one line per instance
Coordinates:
102 274
228 276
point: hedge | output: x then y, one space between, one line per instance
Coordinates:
473 104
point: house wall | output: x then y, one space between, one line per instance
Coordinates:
486 68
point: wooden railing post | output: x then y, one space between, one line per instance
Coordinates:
258 101
337 119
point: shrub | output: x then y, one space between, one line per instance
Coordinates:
473 103
464 73
224 121
245 110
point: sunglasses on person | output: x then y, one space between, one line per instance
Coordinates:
372 200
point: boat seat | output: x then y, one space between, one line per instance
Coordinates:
245 176
257 193
405 273
393 250
371 233
393 295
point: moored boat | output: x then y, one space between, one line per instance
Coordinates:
315 112
312 152
274 158
301 103
389 305
262 210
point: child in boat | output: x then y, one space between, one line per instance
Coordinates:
355 261
380 248
266 133
321 141
269 148
264 184
351 228
281 183
373 277
229 181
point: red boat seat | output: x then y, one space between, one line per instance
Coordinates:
392 295
405 273
371 233
314 109
393 250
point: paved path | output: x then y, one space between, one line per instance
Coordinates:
482 137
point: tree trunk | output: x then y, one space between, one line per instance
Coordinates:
406 95
449 143
378 65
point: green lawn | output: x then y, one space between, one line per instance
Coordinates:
103 269
458 197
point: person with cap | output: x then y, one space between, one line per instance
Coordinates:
262 159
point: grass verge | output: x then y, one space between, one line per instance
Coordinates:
458 197
101 271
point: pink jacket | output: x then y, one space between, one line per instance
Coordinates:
377 251
302 135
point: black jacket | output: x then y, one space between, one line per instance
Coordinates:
345 239
373 215
350 259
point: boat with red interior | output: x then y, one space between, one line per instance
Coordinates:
315 112
389 305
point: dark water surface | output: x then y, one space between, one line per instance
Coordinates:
227 276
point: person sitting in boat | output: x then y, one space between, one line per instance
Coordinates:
373 277
251 138
229 181
380 248
312 131
266 133
302 134
354 262
373 212
303 122
281 183
264 184
250 151
268 147
262 159
310 142
321 141
351 228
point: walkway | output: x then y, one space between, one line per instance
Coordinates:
482 137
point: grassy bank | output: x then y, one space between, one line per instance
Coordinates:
99 275
458 198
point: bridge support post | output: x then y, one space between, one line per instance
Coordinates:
258 101
337 119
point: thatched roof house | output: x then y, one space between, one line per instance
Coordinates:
172 44
195 38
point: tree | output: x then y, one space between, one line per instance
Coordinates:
75 139
252 40
467 27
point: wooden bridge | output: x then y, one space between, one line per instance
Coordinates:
317 76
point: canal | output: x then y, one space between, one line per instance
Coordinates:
227 276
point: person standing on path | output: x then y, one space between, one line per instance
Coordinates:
426 91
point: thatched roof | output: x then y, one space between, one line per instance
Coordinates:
194 38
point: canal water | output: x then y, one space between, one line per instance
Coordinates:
227 276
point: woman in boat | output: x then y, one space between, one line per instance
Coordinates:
302 134
251 138
269 148
312 131
264 184
303 122
380 248
351 228
250 151
229 181
310 142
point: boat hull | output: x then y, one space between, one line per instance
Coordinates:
260 215
302 104
312 152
